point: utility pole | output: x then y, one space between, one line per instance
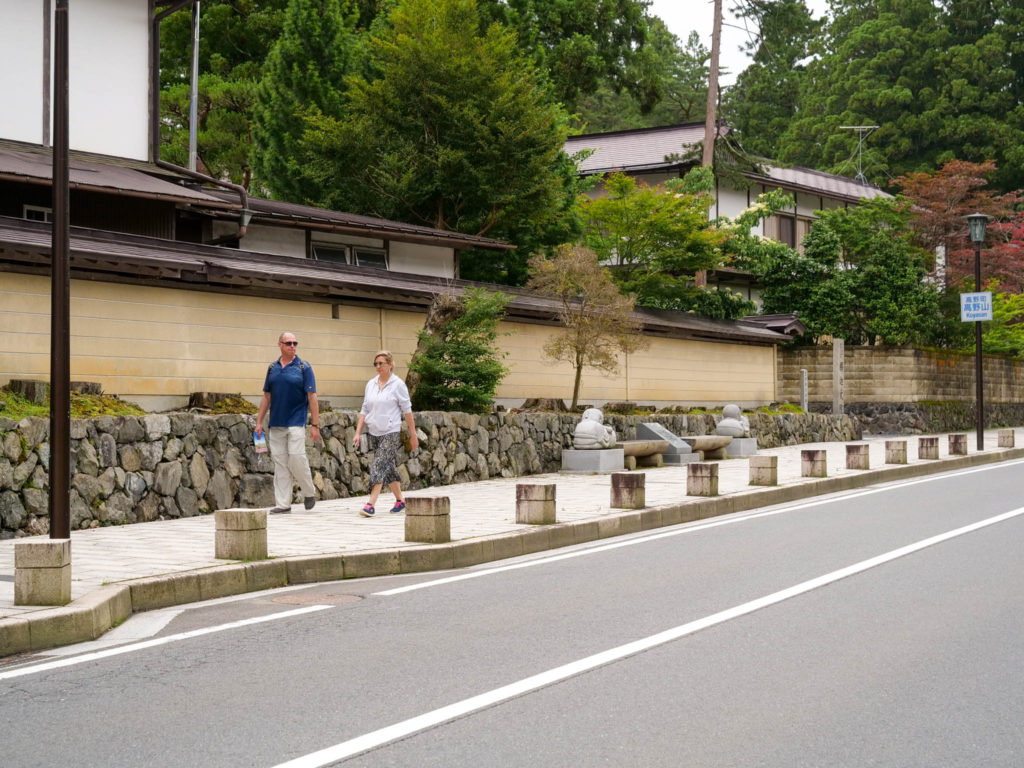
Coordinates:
709 118
700 279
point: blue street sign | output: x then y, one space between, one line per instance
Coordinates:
975 306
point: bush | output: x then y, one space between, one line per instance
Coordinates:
456 367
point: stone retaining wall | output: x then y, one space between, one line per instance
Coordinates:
129 469
925 418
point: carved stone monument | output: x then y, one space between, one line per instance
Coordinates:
592 432
678 451
737 426
593 446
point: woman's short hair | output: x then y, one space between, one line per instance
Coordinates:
386 355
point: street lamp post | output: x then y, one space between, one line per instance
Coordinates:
978 222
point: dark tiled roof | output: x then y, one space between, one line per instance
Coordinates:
275 211
20 161
104 255
789 324
645 149
37 167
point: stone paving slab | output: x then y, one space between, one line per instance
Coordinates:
109 555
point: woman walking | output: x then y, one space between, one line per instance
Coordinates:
385 402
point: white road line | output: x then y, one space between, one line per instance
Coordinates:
408 727
139 626
96 655
730 520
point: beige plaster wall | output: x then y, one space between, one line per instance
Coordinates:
156 345
898 375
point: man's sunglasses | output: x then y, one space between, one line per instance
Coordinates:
290 343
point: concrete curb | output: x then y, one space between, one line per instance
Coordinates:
89 617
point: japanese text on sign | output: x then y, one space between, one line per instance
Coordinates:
975 306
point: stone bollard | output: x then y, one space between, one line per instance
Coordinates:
927 447
1006 438
629 491
857 456
701 479
427 519
813 463
764 470
958 445
42 572
241 534
535 503
895 451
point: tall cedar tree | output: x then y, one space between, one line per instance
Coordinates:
454 130
941 80
582 44
456 366
766 95
304 77
598 319
681 75
234 40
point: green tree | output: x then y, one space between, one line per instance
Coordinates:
456 366
766 95
860 278
1004 335
455 130
304 78
235 38
654 238
598 319
936 86
582 44
681 74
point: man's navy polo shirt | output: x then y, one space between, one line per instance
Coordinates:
288 386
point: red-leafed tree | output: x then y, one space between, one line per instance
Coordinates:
942 201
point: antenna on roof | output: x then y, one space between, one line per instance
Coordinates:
862 133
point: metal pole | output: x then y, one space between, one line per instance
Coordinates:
60 291
978 361
193 107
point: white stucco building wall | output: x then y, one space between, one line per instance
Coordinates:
108 80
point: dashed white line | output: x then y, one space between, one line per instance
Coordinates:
641 539
374 739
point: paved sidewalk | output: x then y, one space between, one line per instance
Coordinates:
111 555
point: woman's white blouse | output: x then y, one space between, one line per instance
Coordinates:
384 406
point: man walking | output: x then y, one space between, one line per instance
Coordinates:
288 392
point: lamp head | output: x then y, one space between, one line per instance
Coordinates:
978 222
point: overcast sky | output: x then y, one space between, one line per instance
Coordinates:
682 16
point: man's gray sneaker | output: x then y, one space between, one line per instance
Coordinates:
308 502
281 510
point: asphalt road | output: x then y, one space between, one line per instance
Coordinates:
876 628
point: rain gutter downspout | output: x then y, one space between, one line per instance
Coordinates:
154 92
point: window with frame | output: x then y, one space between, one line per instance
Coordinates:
37 213
376 258
788 229
337 254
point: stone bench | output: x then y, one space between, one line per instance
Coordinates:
643 453
709 446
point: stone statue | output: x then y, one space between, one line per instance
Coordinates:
733 422
592 433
